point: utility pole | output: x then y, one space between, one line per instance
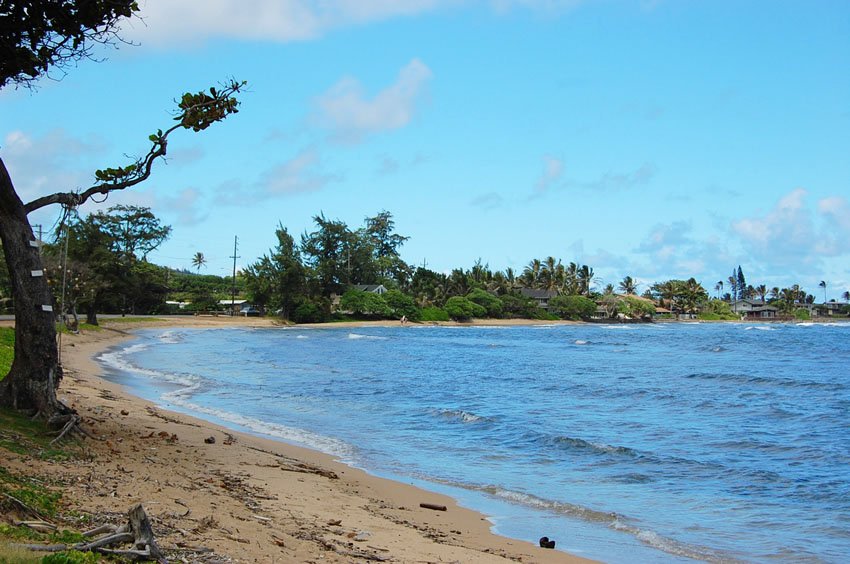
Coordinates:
233 290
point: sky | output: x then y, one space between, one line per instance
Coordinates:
655 139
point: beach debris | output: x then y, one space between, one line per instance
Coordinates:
137 531
39 526
210 440
125 412
21 506
335 522
433 506
546 543
360 536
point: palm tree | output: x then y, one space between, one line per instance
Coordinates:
775 293
531 274
628 286
719 288
585 278
761 292
823 285
846 296
199 260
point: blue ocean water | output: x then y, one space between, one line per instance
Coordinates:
652 443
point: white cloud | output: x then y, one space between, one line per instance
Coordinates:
347 111
836 210
187 205
41 165
297 175
553 169
621 181
488 201
550 179
170 22
786 232
792 236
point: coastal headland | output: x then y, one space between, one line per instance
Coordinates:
215 495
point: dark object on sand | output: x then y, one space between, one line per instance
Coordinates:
433 506
210 440
546 543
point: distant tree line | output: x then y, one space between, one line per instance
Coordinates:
315 278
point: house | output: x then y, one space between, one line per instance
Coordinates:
754 309
233 306
832 309
541 297
371 288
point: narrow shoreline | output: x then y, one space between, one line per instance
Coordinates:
247 498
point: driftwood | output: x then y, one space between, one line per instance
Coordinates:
137 531
433 506
23 507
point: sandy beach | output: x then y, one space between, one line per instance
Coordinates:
215 495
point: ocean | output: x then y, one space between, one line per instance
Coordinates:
718 442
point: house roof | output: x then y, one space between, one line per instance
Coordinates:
374 288
537 294
235 302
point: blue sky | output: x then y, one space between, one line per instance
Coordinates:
655 139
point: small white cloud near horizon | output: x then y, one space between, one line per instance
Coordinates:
789 236
346 110
553 170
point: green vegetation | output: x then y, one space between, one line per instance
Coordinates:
22 435
572 307
434 314
717 310
316 280
7 350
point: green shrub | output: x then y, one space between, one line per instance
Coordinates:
488 301
401 304
462 309
362 303
802 314
311 312
717 310
572 307
433 314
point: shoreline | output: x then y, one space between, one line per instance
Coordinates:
249 498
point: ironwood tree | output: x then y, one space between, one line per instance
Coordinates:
37 38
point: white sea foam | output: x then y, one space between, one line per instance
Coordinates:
302 337
759 328
170 337
119 360
328 445
371 337
618 327
580 342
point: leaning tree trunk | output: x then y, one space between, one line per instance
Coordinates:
32 381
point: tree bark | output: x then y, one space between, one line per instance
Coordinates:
32 381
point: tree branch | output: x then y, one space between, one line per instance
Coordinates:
196 112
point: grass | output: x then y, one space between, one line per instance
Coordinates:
22 435
7 350
28 438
